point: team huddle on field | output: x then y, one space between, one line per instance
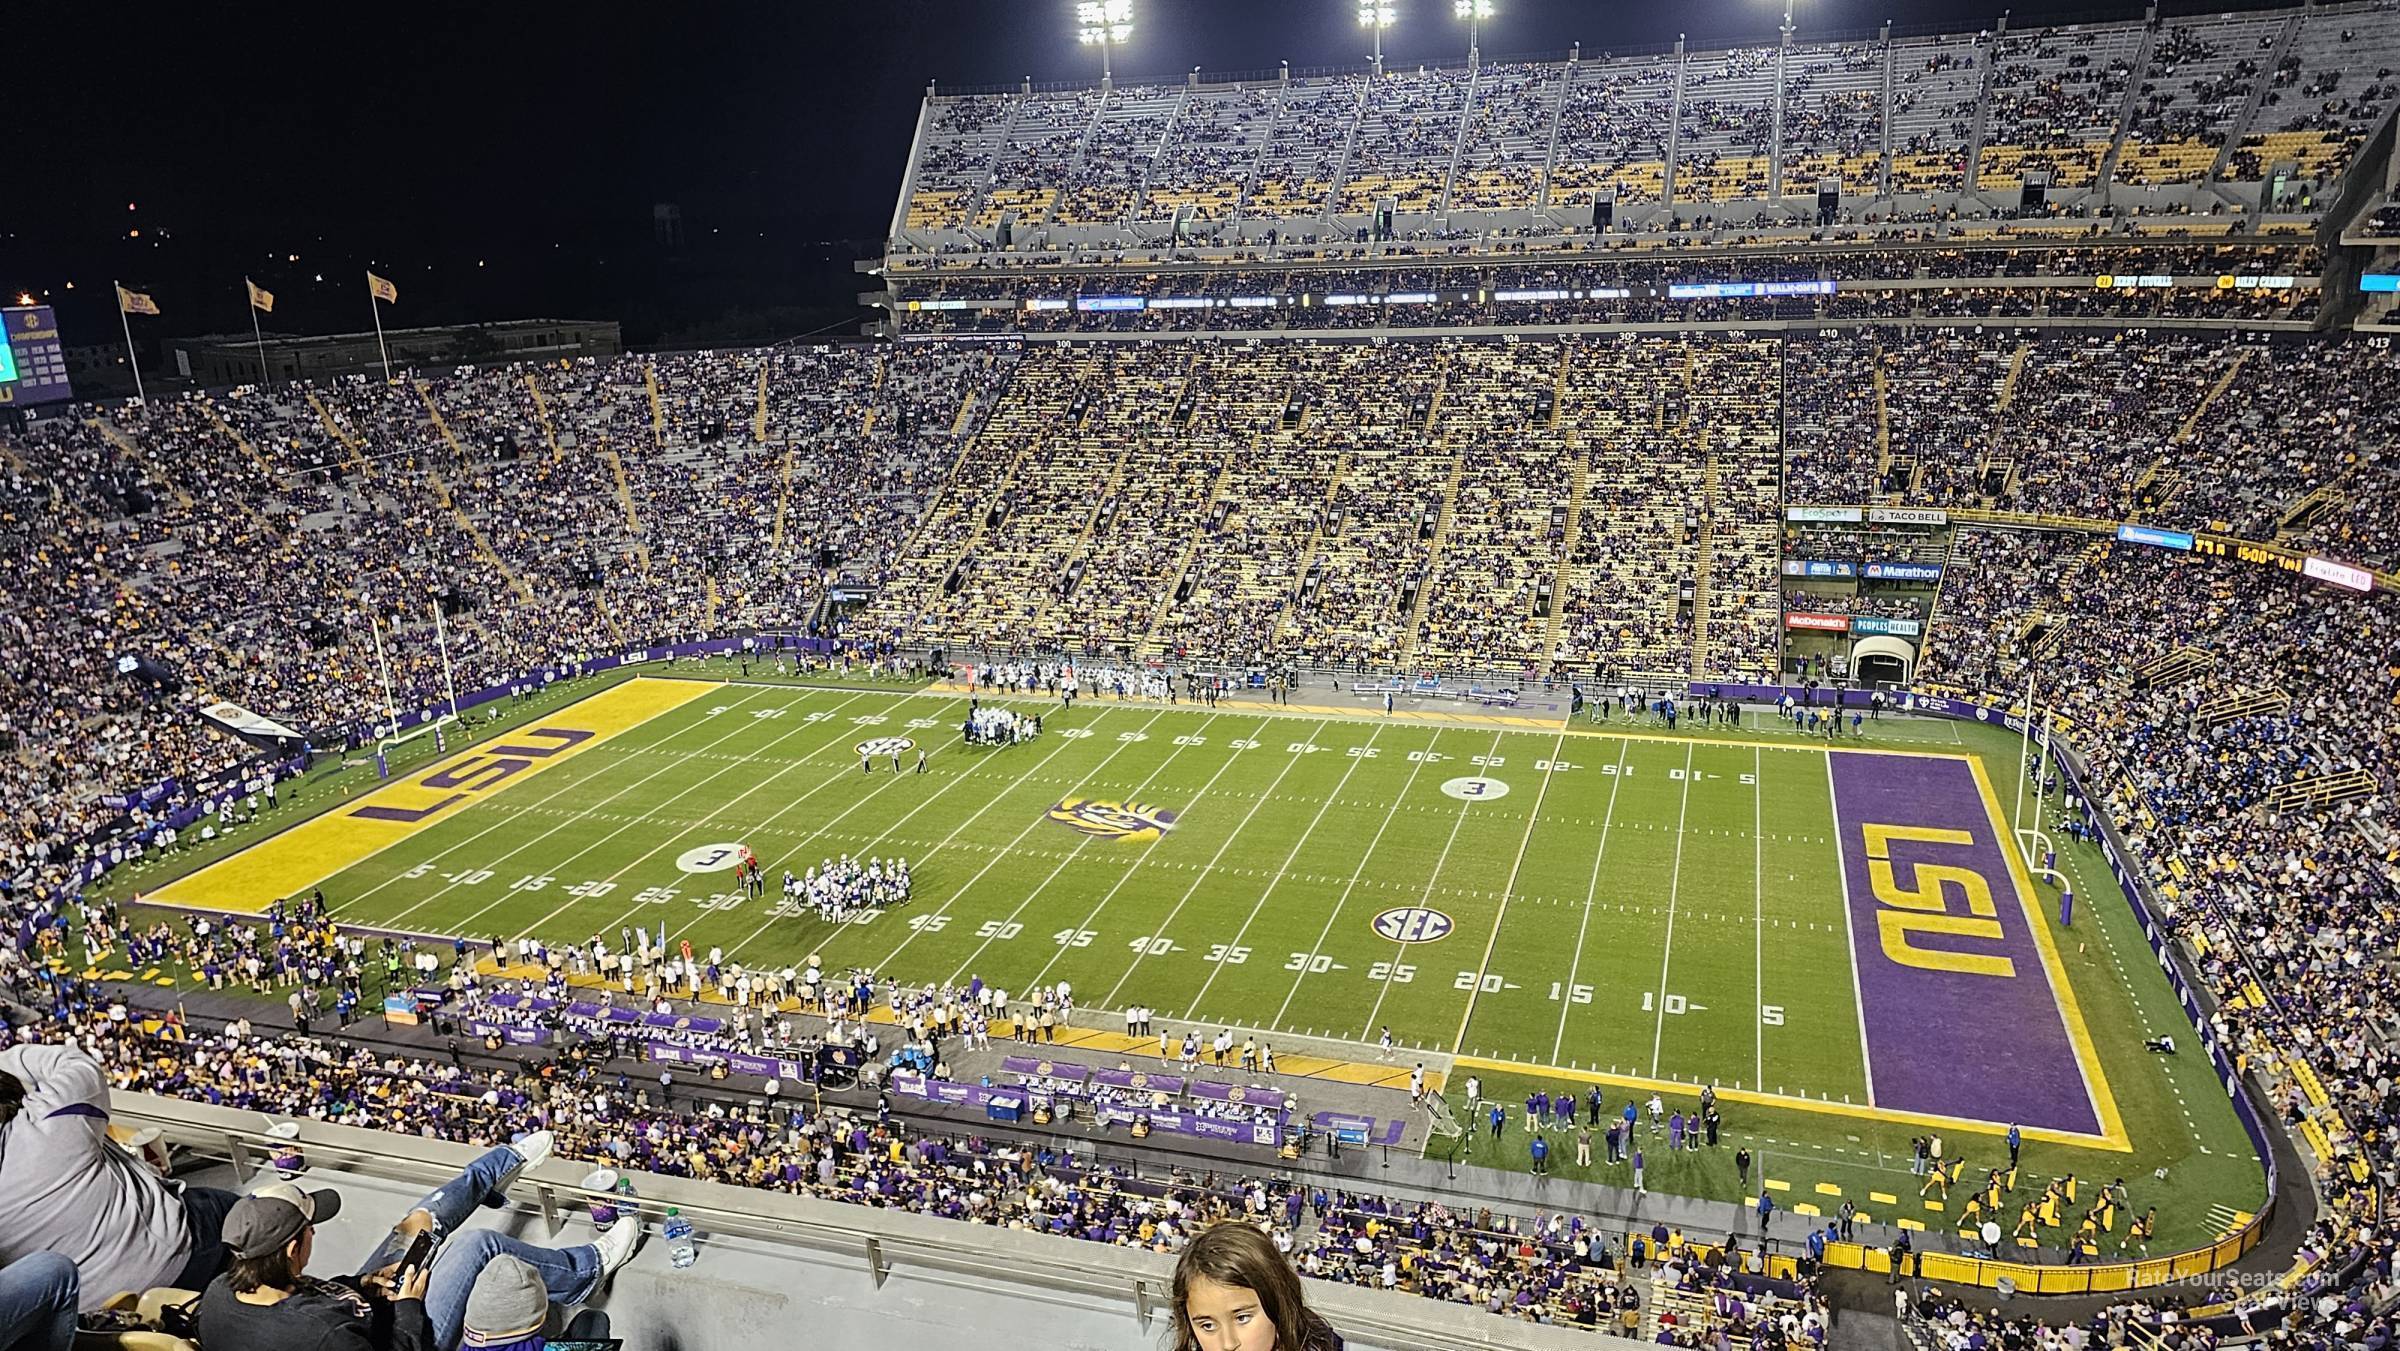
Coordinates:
839 888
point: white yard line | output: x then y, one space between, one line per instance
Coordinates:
1030 827
1441 862
1841 859
886 782
1666 957
910 815
573 901
1281 871
569 785
1591 893
1352 885
1758 909
676 762
1109 1000
1458 1044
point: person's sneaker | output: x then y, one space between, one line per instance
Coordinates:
617 1242
532 1151
535 1149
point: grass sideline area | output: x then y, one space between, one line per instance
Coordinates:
1617 905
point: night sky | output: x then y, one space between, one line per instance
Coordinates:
502 160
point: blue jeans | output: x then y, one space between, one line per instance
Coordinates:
37 1303
204 1216
572 1275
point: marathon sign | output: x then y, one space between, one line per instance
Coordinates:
1801 619
1864 625
1811 567
1847 514
1908 516
1905 572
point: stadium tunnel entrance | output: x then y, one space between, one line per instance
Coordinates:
1883 658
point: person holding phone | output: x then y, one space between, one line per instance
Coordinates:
412 1293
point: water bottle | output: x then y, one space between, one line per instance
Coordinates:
681 1250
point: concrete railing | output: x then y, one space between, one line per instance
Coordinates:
884 1244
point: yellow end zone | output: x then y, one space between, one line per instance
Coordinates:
323 845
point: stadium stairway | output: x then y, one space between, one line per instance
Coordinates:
541 417
2316 792
132 451
341 435
2241 703
483 546
1580 477
1701 560
441 425
633 519
1433 550
658 407
2178 665
208 409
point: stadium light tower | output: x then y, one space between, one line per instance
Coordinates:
1106 23
1474 12
1376 17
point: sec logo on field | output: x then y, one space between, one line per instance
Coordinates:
1413 924
885 745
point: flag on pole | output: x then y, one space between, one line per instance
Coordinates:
134 302
261 298
382 290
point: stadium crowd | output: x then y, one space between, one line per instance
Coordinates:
238 542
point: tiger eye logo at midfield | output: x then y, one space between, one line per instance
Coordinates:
1113 820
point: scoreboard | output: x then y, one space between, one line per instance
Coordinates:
33 366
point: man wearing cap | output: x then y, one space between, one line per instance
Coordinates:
265 1302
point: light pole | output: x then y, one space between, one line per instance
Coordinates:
1376 17
1474 12
1107 23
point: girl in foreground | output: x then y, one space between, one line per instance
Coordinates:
1235 1292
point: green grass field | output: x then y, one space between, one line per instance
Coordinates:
1632 904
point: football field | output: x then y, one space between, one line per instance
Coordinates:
1837 937
1731 906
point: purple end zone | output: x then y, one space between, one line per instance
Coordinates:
1959 1015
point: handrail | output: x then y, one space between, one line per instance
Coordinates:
881 1237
